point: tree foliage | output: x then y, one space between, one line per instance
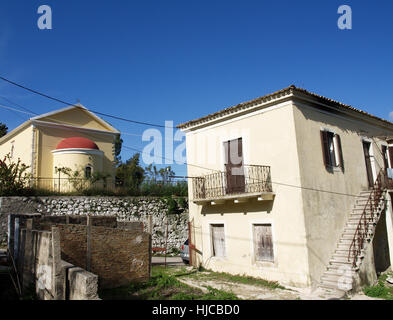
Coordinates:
14 180
3 129
130 174
118 145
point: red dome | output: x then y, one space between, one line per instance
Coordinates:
77 143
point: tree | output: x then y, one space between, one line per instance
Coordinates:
118 144
130 174
163 174
3 129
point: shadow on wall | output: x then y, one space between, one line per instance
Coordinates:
247 207
381 246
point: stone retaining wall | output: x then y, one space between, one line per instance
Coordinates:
124 208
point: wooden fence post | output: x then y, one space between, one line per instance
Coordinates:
88 236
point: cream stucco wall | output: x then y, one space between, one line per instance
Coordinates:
268 139
326 213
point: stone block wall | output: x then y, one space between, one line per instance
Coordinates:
117 256
124 209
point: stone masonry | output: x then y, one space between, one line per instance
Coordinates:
124 208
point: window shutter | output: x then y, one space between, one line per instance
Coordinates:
263 243
340 152
325 148
218 240
390 150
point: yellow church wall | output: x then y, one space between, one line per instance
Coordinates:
49 138
21 142
76 117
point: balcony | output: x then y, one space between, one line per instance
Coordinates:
237 185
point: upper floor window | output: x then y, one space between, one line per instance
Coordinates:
331 149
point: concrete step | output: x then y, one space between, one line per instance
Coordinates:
341 257
337 278
340 261
340 267
344 255
344 252
334 272
348 235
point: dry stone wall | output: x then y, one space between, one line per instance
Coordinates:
124 208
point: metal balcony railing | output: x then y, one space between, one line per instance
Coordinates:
243 180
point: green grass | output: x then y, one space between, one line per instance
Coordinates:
164 285
380 290
207 274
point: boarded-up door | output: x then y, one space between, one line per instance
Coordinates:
218 240
263 242
234 166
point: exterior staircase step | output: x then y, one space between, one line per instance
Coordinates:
330 284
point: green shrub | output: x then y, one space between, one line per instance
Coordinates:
14 180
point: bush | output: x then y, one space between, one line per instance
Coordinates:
14 180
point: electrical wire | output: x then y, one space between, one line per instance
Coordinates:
205 168
91 110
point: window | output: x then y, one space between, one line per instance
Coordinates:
331 149
218 240
88 172
263 242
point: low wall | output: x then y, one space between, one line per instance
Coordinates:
124 209
71 260
40 264
117 256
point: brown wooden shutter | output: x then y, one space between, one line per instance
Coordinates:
226 152
263 243
340 152
325 148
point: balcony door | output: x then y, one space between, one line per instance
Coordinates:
234 166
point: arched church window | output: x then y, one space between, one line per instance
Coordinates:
88 172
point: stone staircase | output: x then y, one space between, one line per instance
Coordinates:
341 271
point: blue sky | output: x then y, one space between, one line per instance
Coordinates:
179 60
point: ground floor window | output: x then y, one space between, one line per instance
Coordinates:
263 242
218 240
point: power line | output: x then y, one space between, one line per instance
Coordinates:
201 167
91 110
18 105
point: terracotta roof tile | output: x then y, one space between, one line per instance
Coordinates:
283 92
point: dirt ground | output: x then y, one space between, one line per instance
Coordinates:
258 292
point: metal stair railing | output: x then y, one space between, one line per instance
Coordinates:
372 204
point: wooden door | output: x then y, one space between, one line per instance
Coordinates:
263 243
218 240
234 166
367 157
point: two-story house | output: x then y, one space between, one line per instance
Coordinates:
291 187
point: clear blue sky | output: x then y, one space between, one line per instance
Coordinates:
178 60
